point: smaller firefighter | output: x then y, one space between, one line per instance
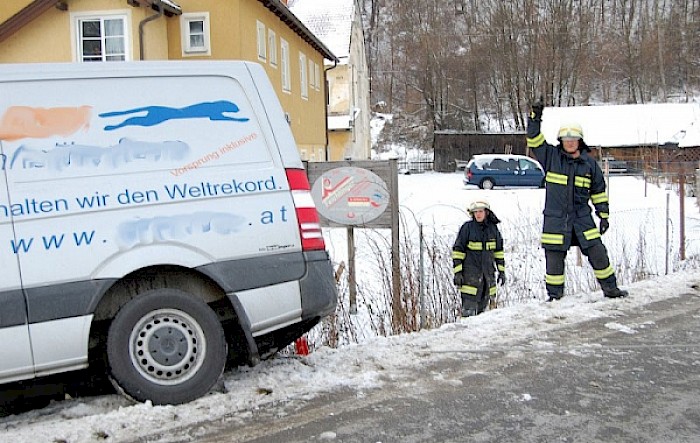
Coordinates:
477 256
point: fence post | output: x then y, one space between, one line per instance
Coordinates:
697 183
668 220
681 225
421 292
352 282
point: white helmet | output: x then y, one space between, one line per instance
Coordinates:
478 204
570 130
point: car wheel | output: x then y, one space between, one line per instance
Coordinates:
166 346
487 183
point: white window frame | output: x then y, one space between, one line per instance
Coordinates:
312 79
76 19
187 48
284 66
303 75
317 74
262 40
272 46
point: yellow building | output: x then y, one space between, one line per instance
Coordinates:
265 31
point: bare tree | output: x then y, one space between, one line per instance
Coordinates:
477 64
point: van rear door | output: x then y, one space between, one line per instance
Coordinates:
16 362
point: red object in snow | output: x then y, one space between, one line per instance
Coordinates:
301 346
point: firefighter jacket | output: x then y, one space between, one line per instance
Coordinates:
570 184
477 253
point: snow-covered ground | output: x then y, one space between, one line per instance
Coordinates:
436 200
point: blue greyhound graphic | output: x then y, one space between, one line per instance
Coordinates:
156 115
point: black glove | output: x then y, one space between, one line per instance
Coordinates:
501 278
459 279
537 108
604 225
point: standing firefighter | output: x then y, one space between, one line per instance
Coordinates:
476 254
573 178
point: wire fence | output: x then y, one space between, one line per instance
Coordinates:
642 244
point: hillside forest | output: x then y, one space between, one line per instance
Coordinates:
476 65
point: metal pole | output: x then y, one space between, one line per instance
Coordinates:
644 175
397 298
668 219
421 292
351 270
681 224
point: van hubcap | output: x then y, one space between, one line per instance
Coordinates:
167 346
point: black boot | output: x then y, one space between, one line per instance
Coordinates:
469 312
553 297
470 306
615 293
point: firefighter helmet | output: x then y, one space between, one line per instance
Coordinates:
570 130
478 204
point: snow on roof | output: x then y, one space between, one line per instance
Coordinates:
629 125
338 122
329 20
172 4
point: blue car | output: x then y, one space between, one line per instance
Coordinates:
489 170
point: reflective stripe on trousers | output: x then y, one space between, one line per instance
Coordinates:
597 257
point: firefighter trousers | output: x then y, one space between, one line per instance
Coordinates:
597 257
476 304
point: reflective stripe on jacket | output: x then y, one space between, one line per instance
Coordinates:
570 184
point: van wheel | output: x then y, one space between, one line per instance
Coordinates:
487 183
166 346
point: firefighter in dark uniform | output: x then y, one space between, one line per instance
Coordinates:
476 256
573 178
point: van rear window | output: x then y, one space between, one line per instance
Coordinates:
114 126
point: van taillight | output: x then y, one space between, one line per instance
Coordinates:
309 223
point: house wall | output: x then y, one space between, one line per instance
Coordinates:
348 85
233 35
339 87
337 142
46 39
362 139
10 8
50 38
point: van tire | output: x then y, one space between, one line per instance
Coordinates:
166 346
487 183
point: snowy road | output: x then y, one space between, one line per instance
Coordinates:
631 378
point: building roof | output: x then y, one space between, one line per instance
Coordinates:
282 11
329 20
629 125
35 8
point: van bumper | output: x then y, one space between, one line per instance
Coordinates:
319 294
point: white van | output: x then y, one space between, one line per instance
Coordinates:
156 216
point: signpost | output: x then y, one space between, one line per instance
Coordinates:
361 194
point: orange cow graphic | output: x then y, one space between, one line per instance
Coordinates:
27 122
